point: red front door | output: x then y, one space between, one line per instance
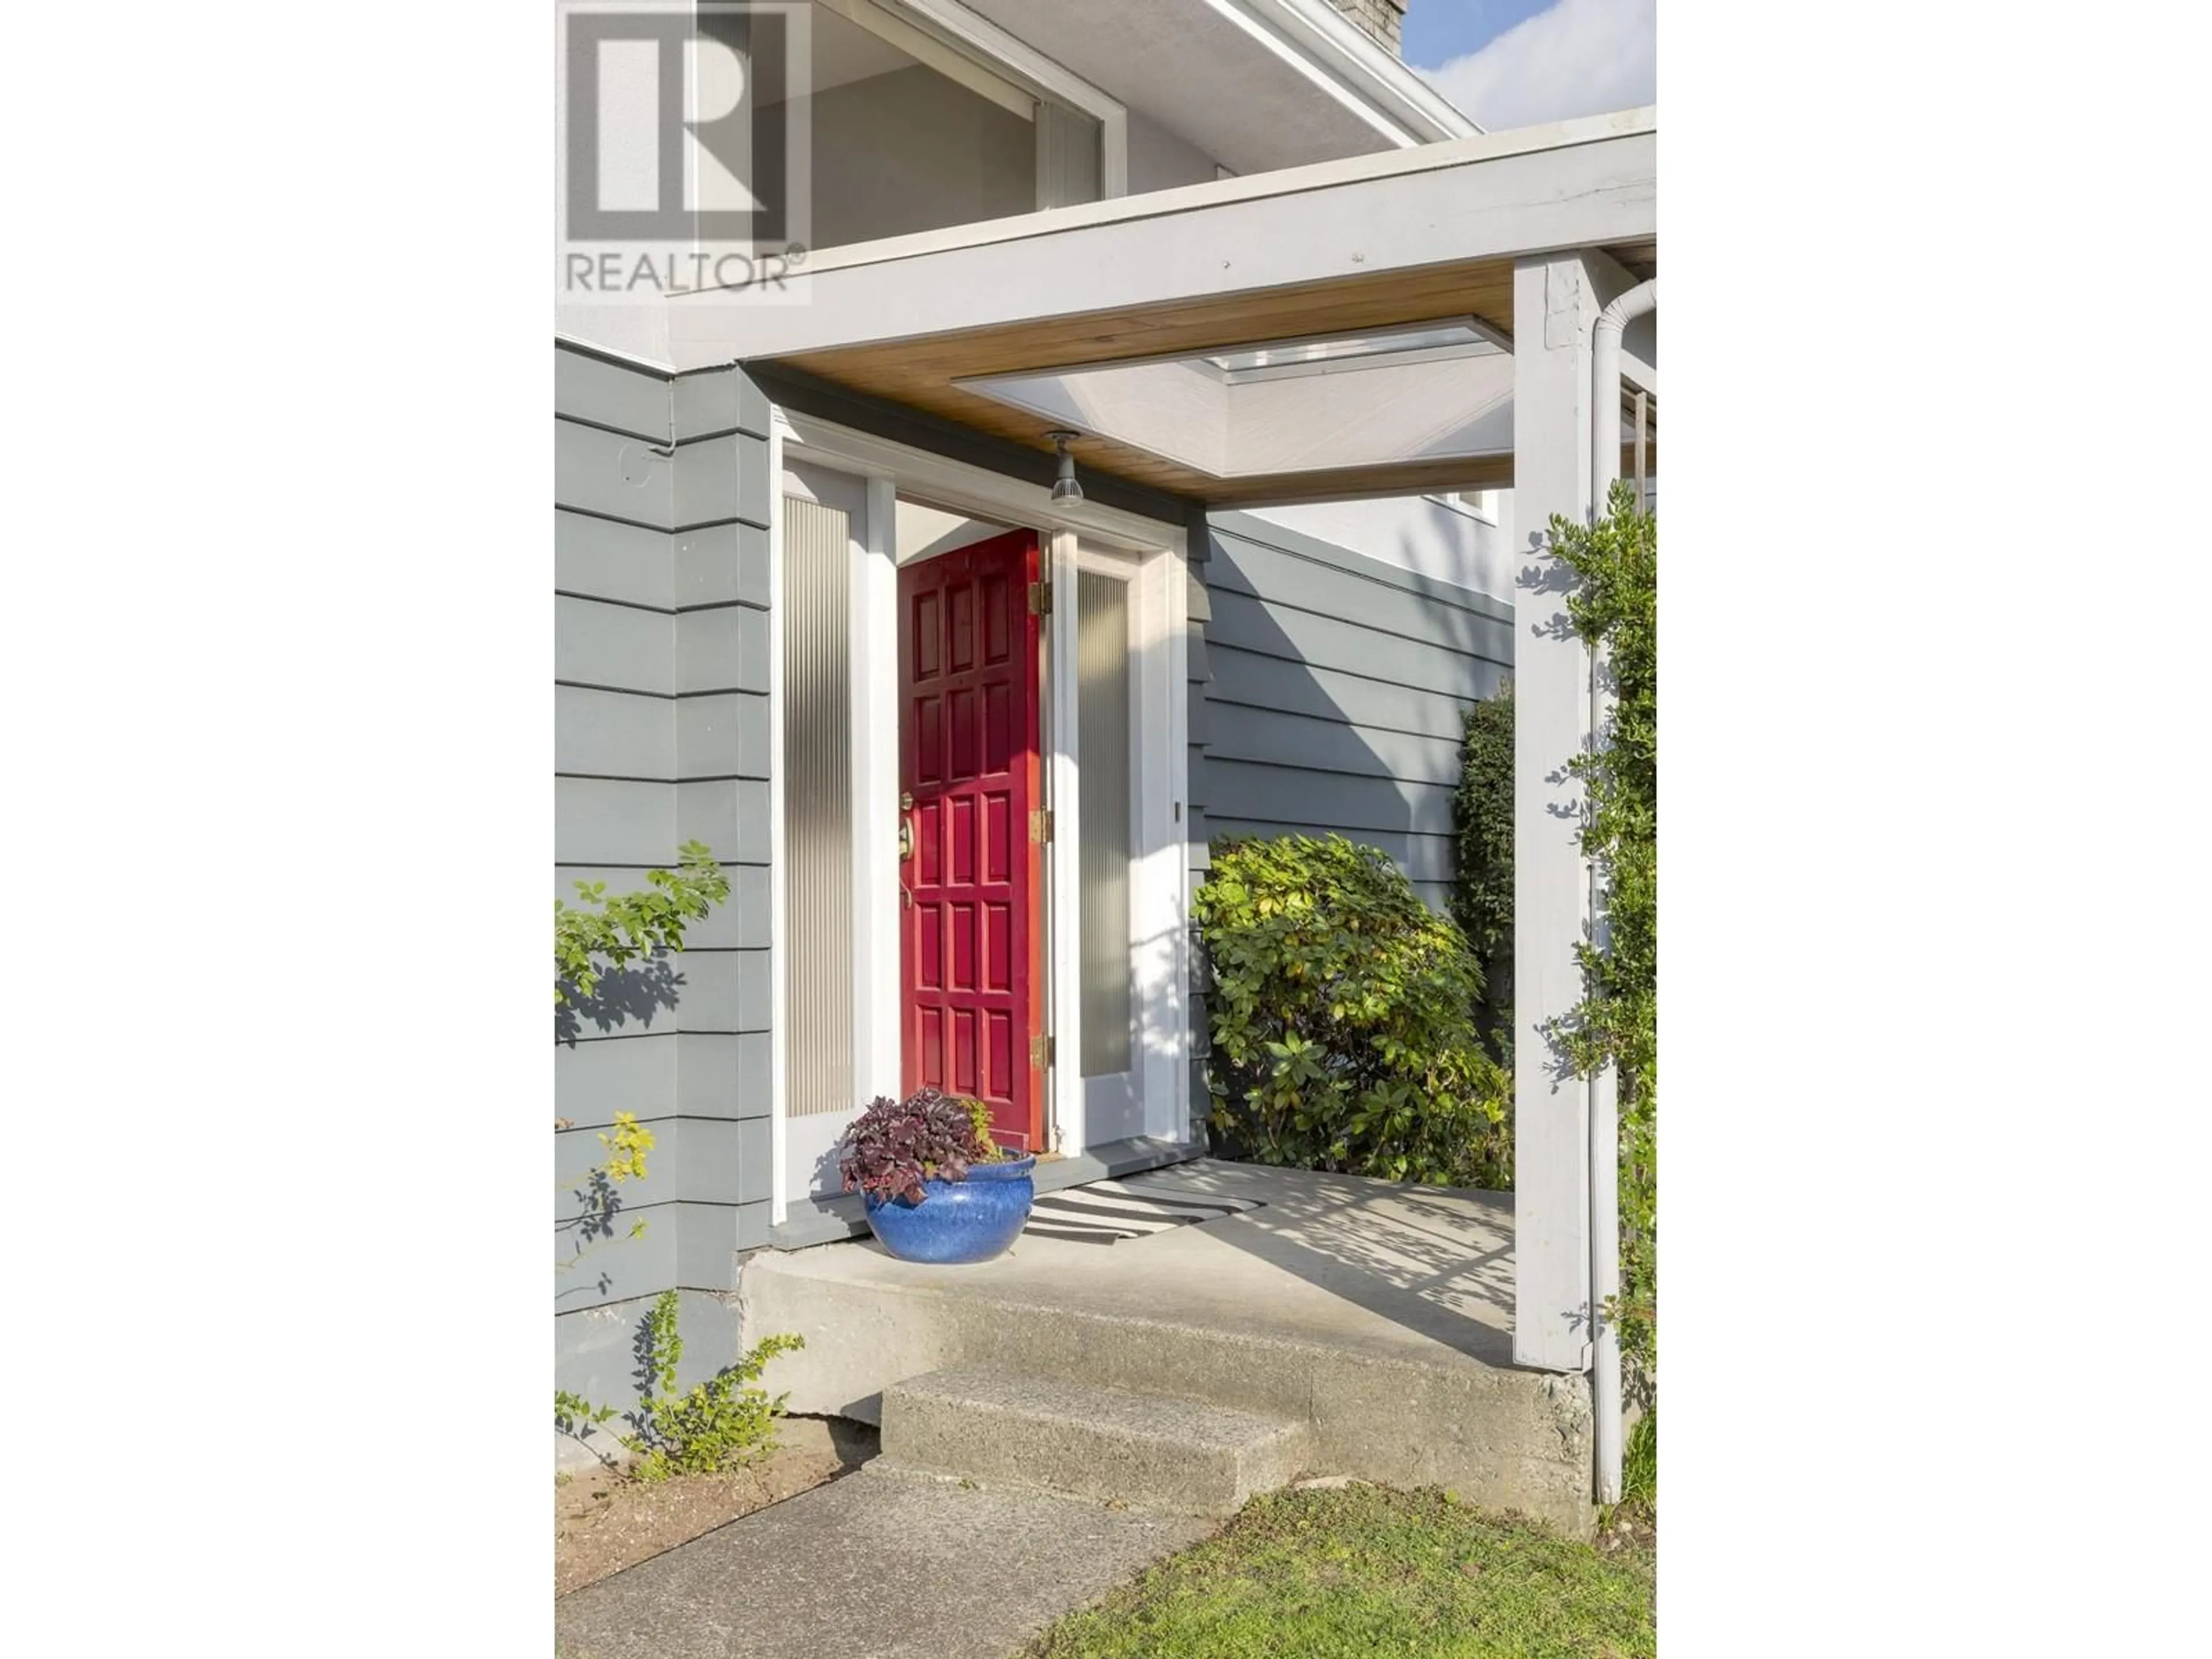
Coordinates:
971 937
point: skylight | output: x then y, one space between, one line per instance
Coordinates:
1439 389
1321 356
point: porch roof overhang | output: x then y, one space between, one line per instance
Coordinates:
1362 246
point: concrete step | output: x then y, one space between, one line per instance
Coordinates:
1182 1456
1501 1438
1376 1314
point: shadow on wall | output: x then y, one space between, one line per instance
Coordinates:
1540 587
1339 688
621 996
589 1206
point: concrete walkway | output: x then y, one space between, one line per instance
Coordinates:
875 1565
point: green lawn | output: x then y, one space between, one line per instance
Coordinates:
1368 1572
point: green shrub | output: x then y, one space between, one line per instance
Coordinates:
1343 1019
1482 885
720 1423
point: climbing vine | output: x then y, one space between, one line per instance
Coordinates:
600 932
1615 608
594 937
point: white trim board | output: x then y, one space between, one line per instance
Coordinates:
1498 196
964 486
1067 1103
1158 1081
1554 138
779 870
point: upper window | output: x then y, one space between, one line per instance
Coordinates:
914 128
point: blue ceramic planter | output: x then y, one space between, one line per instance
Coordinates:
971 1220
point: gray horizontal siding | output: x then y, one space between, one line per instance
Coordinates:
730 815
614 646
722 564
695 1074
625 734
1290 632
607 394
1272 684
1378 596
600 559
611 474
1278 737
617 821
613 734
719 1075
661 637
717 402
685 1245
592 1081
722 735
700 1160
719 480
724 991
1338 684
1277 794
722 649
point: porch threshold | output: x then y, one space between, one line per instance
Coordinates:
831 1220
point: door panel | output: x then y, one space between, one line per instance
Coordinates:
970 934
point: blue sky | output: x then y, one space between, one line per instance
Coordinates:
1520 63
1437 31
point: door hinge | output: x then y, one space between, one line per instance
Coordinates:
1041 826
1039 598
1041 1052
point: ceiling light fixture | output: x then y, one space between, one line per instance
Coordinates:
1065 488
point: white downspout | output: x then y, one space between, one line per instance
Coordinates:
1605 1097
1605 382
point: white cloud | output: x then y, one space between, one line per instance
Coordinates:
1579 58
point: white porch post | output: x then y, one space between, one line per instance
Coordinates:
1556 301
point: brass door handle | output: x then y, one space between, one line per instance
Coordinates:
906 826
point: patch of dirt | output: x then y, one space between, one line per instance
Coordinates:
604 1522
1633 1530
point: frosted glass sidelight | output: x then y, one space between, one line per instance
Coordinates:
1102 659
818 806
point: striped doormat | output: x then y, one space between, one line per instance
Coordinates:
1109 1211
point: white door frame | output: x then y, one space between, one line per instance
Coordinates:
1163 883
1158 1073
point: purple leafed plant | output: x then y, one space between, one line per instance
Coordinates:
896 1144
